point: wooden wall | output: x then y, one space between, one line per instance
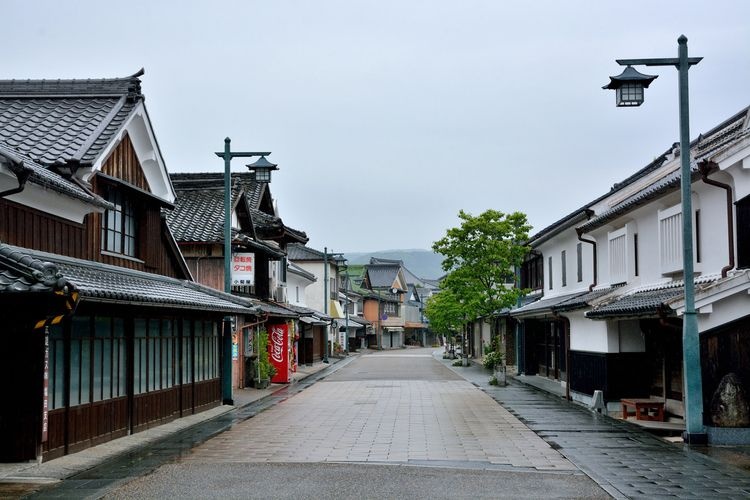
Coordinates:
30 228
123 164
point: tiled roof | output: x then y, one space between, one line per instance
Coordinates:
307 312
648 300
22 272
294 268
49 179
664 185
382 275
646 303
296 251
215 180
581 301
277 310
99 282
703 147
198 215
543 306
58 121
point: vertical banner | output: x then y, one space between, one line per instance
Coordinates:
243 269
45 390
278 351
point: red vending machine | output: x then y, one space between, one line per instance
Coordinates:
278 352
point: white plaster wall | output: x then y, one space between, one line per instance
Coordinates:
733 307
314 292
47 200
568 241
586 334
644 221
293 282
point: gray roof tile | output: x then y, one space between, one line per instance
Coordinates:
21 272
382 275
99 282
646 303
54 121
49 179
198 215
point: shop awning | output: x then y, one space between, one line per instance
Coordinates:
312 320
336 311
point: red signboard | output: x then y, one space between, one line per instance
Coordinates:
278 351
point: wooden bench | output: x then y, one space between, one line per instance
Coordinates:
643 408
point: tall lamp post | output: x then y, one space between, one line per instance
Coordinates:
629 92
228 154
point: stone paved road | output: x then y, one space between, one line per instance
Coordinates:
625 460
387 409
388 425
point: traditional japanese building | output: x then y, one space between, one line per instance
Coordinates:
105 331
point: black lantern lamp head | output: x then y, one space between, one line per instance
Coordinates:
628 86
262 169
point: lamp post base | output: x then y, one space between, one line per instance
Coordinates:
699 438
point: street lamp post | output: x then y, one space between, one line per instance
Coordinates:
325 301
226 368
629 88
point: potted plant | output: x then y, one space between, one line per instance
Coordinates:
493 361
265 370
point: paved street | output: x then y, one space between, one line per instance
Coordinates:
397 415
386 408
405 424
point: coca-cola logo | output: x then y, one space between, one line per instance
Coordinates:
277 344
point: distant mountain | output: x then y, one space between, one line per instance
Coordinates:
423 263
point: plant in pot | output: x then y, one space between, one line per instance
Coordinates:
493 361
265 370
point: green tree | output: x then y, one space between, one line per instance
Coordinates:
445 313
480 257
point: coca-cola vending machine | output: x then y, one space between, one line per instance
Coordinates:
278 351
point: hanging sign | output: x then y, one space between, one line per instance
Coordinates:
243 269
45 393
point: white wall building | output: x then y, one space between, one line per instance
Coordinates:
624 336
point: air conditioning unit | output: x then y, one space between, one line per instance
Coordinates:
281 295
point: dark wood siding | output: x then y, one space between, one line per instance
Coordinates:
617 375
743 233
123 164
30 228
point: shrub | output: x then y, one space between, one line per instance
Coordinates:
492 359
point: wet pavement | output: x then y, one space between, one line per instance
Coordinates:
94 481
622 458
388 408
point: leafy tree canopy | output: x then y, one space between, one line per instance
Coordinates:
445 312
480 257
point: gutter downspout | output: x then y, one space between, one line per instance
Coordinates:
22 175
704 167
593 244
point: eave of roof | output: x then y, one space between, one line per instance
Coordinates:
98 282
45 178
543 306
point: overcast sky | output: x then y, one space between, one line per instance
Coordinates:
388 117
